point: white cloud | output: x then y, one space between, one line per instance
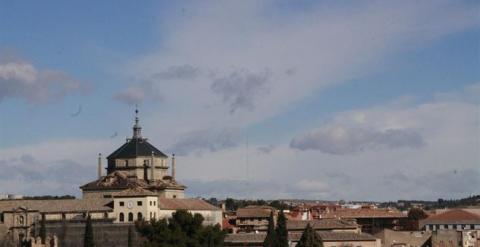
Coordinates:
205 140
231 64
23 80
342 140
132 95
53 167
396 168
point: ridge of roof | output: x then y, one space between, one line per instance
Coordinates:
453 215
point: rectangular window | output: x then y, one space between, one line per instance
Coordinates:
1 217
139 203
121 204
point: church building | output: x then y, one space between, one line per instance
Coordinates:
136 164
140 185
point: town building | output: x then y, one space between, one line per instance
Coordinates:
137 186
372 220
454 227
323 225
329 239
138 164
391 238
254 218
453 219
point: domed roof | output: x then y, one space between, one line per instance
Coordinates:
136 147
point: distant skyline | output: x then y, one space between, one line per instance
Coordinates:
327 100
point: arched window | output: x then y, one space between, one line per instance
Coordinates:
130 217
121 217
126 163
151 215
139 216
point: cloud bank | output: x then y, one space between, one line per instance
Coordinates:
20 79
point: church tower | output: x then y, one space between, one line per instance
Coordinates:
138 157
136 164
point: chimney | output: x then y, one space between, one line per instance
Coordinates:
152 166
173 167
99 165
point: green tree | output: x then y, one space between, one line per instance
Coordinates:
310 238
182 230
43 230
271 238
88 237
230 204
211 236
416 214
281 230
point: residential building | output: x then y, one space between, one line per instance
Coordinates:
453 219
254 218
391 238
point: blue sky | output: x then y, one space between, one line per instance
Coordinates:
335 88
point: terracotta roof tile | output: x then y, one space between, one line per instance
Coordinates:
326 236
255 212
186 204
454 216
52 206
347 213
322 224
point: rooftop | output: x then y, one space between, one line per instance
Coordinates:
54 206
322 224
295 237
185 204
119 180
136 147
453 216
255 212
347 213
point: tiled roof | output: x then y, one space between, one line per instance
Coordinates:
347 213
186 204
54 206
245 238
295 237
119 180
322 224
254 212
336 236
454 216
132 192
115 180
136 147
408 238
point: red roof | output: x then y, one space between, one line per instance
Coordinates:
454 216
364 213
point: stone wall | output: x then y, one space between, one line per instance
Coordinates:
105 234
